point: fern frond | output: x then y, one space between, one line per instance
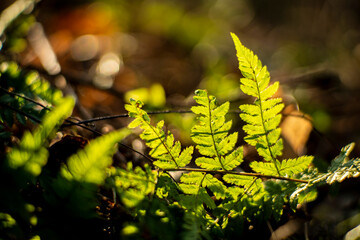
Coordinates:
31 154
263 117
166 187
163 147
133 185
211 134
89 164
215 186
80 178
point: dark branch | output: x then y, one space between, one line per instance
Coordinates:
123 115
24 97
69 122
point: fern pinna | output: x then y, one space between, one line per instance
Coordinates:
211 134
263 117
167 153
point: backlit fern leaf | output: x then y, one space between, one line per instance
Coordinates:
211 134
263 117
164 149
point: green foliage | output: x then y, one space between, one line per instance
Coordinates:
216 193
211 198
89 165
24 163
168 154
287 167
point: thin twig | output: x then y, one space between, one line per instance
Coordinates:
24 97
123 115
248 188
22 113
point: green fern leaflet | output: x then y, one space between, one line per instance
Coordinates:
211 134
164 149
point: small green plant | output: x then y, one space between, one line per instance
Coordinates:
215 193
212 197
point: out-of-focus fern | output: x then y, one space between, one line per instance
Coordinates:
164 149
263 117
31 154
30 85
23 164
85 171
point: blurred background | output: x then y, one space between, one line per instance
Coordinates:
160 51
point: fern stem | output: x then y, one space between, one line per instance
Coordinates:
212 135
257 175
168 111
201 182
24 97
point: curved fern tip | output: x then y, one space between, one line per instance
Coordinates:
200 92
235 38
